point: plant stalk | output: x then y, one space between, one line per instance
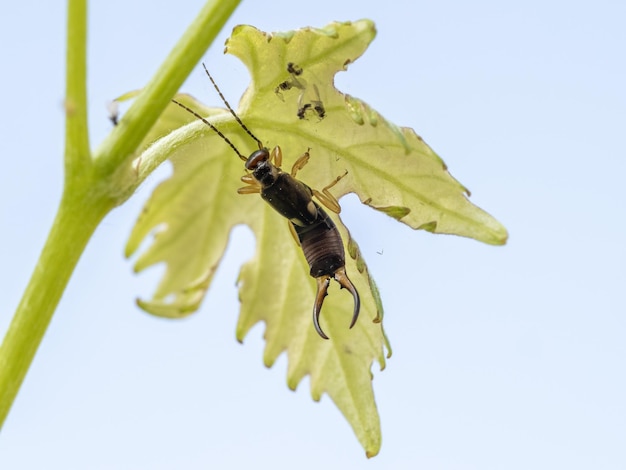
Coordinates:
117 149
93 185
75 222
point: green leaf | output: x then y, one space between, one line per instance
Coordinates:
391 169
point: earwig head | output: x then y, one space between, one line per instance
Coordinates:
263 170
256 158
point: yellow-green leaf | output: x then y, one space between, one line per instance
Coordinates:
297 107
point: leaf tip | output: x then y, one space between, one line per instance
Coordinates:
501 237
164 310
292 384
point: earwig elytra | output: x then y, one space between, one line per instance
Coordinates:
316 232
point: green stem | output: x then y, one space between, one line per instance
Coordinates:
76 220
77 150
93 186
117 149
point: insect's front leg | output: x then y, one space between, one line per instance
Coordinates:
253 185
326 198
276 156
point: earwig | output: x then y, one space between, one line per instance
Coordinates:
318 235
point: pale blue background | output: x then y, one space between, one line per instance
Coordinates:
504 358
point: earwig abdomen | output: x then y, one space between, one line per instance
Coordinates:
318 235
322 245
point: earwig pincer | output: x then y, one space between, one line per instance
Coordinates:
316 232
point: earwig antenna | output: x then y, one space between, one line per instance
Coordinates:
231 109
204 120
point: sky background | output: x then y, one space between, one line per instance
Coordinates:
503 357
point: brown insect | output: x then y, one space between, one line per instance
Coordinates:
314 229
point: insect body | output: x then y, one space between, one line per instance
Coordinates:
315 230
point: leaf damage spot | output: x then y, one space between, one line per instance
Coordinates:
354 109
397 212
429 226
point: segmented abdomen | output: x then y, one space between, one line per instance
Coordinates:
322 245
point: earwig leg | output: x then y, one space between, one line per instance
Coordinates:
249 179
300 162
342 278
326 188
326 198
277 156
292 229
322 289
249 190
253 185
